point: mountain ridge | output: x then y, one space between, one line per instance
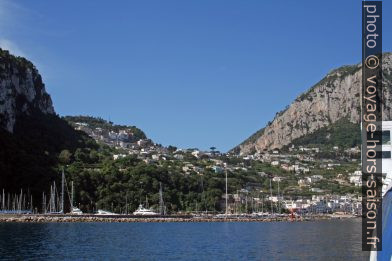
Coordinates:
326 102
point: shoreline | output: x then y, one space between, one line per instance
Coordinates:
14 218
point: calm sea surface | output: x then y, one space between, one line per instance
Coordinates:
321 240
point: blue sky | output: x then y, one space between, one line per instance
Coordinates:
189 73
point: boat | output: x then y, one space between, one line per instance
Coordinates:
76 211
104 212
259 214
142 211
222 216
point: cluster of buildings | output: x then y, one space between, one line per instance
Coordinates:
350 204
123 138
356 178
310 180
126 141
148 151
245 202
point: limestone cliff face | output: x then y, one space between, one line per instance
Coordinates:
22 91
335 97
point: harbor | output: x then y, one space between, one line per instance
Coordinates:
19 208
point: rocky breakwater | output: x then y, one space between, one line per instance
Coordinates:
128 219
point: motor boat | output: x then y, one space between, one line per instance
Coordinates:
76 211
104 212
142 211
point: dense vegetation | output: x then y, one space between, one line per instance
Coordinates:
104 183
341 133
29 156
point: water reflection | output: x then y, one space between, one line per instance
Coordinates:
324 240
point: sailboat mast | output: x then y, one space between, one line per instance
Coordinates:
279 197
272 207
226 192
43 202
62 192
72 195
161 209
52 198
20 200
126 203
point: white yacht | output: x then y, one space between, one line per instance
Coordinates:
76 211
104 212
142 211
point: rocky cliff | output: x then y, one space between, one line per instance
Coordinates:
31 134
22 91
335 97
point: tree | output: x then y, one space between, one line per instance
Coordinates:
81 156
213 150
65 157
171 149
94 156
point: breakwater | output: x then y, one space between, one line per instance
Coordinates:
152 219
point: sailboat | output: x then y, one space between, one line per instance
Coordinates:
74 210
56 206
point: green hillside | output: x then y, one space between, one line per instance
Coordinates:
29 156
342 133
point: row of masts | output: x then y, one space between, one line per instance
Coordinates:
16 203
52 203
279 206
55 204
19 203
23 202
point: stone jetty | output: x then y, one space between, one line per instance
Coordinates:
128 219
